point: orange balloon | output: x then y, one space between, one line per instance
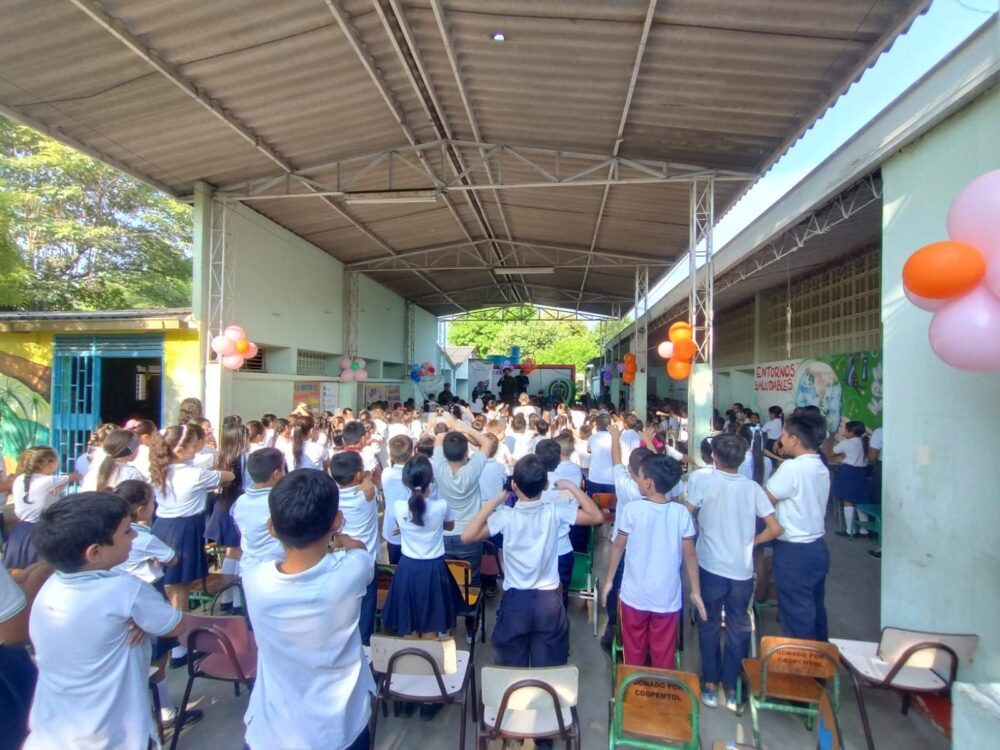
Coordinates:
680 332
242 346
629 357
677 326
685 349
943 270
678 369
629 378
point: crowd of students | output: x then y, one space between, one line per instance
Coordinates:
294 502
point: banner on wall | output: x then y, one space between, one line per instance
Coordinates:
480 377
843 386
328 397
308 392
369 393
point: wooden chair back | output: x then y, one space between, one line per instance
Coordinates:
658 704
413 657
461 571
942 653
607 503
799 657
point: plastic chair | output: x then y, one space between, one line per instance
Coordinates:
519 704
583 584
492 563
383 577
218 648
875 524
473 601
608 504
211 588
654 708
906 661
787 678
422 671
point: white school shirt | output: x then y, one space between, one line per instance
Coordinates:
492 479
396 429
146 547
141 462
314 456
42 492
802 485
729 506
577 417
120 473
393 490
82 464
581 455
93 689
876 441
626 491
746 468
187 490
696 478
360 518
600 458
652 579
629 441
772 429
12 598
251 514
853 451
422 542
313 688
369 457
552 495
206 457
523 442
530 542
570 471
505 458
527 411
460 489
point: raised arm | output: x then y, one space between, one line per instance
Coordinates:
477 529
616 443
588 514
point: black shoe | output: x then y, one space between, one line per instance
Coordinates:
429 710
876 553
606 643
544 744
176 662
844 533
192 716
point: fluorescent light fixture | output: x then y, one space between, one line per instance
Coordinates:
359 199
519 270
499 36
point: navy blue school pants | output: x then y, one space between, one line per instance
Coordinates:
566 575
531 630
716 592
366 623
18 675
395 552
616 585
800 574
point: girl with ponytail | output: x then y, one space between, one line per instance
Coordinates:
301 451
424 598
756 466
221 527
119 450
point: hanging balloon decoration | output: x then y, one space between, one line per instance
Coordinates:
233 347
352 369
528 366
679 351
628 376
958 280
607 375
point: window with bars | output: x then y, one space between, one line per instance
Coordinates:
257 363
311 363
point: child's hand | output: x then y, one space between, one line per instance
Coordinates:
75 477
134 634
345 542
368 488
615 429
394 532
606 589
565 484
499 499
699 605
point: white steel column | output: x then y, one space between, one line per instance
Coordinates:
701 310
351 295
218 312
640 344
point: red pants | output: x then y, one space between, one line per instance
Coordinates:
655 632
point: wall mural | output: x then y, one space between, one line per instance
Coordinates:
25 409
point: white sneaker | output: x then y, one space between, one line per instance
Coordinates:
731 702
710 698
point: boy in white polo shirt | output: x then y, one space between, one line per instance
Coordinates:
728 506
92 671
251 512
799 490
532 629
313 687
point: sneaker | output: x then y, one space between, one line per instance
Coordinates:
731 701
469 637
169 718
710 697
876 553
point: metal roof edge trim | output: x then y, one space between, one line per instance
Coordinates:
962 76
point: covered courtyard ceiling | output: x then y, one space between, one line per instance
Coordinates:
568 145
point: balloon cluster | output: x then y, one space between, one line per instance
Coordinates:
607 375
628 373
679 350
233 348
352 368
959 280
419 371
528 366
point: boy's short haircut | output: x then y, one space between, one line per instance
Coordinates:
400 449
706 450
542 427
548 453
567 444
263 462
603 420
73 523
488 444
440 428
729 450
344 467
425 447
354 432
632 422
530 476
495 425
518 422
636 457
455 446
663 470
808 427
303 506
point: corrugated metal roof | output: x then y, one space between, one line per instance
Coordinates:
229 92
173 313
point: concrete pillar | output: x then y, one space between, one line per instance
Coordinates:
201 251
700 394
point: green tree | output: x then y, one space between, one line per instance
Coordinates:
575 349
86 236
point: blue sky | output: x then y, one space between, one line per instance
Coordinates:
930 38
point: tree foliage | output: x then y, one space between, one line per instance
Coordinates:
76 234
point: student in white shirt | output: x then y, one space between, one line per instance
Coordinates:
581 452
799 490
728 506
301 452
566 468
119 451
755 466
525 408
92 673
360 512
772 427
148 434
631 436
424 597
314 686
504 457
850 482
251 512
494 476
35 488
660 535
393 490
520 437
532 629
548 453
601 477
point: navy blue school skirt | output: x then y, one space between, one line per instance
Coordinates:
221 528
851 484
20 552
186 536
423 598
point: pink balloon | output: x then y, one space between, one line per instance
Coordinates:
232 362
223 345
345 363
993 272
665 349
347 375
361 374
251 351
235 333
974 216
361 363
966 332
924 303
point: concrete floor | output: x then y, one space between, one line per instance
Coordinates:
853 605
